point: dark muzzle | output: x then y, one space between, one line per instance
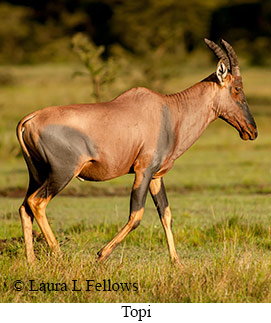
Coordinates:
250 130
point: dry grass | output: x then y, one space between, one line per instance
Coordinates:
219 193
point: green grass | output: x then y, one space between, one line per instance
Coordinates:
219 193
224 243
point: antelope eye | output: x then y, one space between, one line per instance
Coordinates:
237 89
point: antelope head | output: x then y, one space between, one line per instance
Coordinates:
231 104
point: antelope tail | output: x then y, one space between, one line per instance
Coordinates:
19 131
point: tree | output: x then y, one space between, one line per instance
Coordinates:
100 72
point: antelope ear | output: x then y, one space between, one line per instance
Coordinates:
221 71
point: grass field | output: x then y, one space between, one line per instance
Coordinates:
219 193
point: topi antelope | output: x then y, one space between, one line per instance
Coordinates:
140 132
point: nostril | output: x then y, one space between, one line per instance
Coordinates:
253 130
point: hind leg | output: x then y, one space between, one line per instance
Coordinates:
39 200
27 221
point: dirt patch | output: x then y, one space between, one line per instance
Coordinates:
12 192
17 192
96 191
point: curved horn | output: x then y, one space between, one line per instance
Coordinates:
232 57
218 52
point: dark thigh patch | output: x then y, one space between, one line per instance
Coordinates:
61 148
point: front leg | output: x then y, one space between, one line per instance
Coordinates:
137 203
158 193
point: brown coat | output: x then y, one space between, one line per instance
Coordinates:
141 132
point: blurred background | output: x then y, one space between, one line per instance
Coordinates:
37 31
71 51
